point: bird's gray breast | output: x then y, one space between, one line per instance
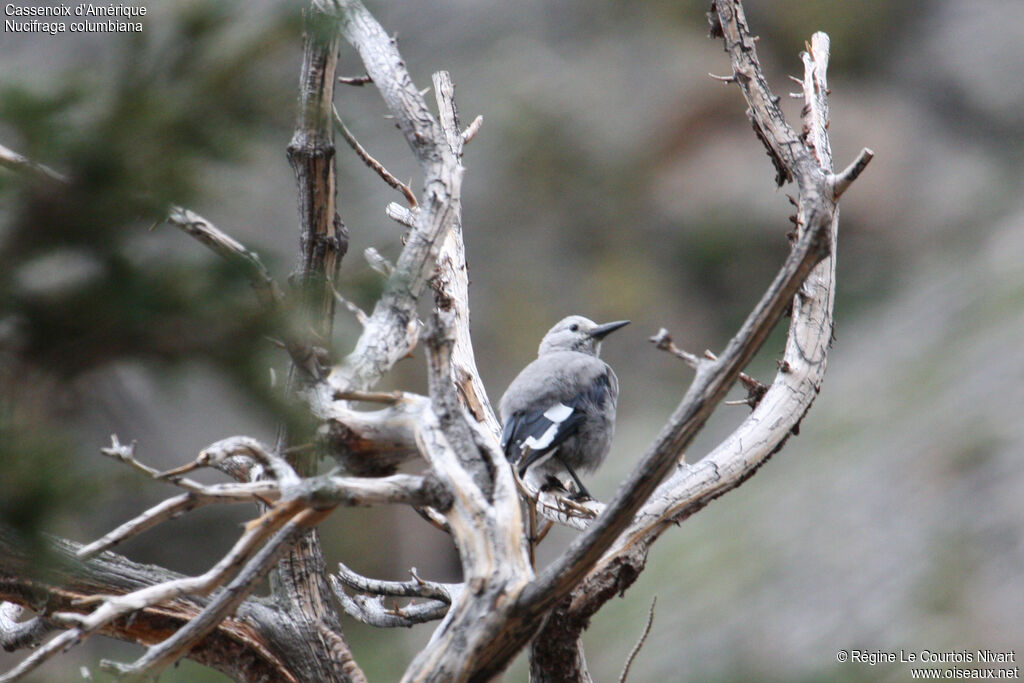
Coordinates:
579 380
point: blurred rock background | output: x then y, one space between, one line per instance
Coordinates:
612 178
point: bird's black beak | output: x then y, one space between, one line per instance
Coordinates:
602 331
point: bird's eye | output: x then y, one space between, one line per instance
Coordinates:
574 328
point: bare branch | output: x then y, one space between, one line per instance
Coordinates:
372 611
472 129
378 262
11 160
640 643
112 607
237 647
400 214
841 181
154 516
781 407
238 446
358 313
165 653
15 635
311 153
723 79
416 588
707 390
355 80
374 165
663 342
231 250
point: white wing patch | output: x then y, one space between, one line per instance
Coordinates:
558 414
535 444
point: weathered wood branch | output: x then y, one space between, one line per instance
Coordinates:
392 329
236 647
233 251
311 152
224 604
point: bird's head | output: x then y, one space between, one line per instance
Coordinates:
577 333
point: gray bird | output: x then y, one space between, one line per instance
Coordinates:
559 412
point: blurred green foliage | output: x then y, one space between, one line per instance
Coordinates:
85 282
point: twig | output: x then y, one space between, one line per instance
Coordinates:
472 129
416 588
756 389
375 165
10 159
841 181
163 511
369 396
663 342
400 214
358 313
355 80
377 261
230 249
238 446
371 610
640 643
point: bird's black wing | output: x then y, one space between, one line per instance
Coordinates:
545 428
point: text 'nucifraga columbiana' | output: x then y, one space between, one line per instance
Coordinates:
559 412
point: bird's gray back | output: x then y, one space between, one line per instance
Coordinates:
554 377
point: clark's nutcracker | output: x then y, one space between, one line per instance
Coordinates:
559 413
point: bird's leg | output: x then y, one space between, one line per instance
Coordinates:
581 490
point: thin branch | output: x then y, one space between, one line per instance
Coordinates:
154 516
374 165
400 214
229 249
239 446
358 313
55 646
416 588
378 262
663 342
165 653
387 397
841 181
372 611
640 643
472 129
13 161
355 80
